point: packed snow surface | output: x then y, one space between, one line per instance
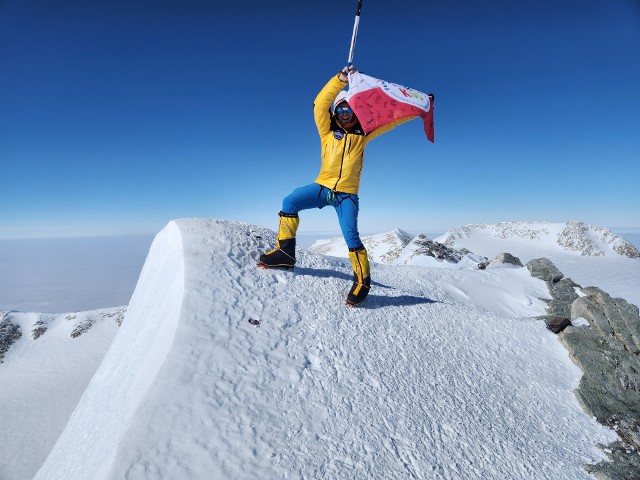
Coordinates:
441 374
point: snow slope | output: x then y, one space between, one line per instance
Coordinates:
383 248
43 376
589 255
430 379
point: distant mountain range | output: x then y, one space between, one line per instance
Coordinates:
573 237
398 247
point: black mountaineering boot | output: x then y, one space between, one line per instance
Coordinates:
361 276
284 255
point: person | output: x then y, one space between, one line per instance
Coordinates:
343 144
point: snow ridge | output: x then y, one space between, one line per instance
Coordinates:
129 368
504 230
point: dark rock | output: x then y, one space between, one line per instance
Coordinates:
544 269
82 327
563 294
437 250
9 334
557 324
624 464
39 329
562 291
118 316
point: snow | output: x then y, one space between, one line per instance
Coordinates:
87 447
441 374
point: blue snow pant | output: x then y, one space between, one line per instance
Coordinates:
317 196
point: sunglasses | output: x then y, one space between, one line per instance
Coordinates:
344 110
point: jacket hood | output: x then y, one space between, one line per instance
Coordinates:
341 97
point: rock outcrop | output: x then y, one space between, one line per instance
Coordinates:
562 290
544 269
422 246
607 352
9 333
605 344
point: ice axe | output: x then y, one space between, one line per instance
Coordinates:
355 34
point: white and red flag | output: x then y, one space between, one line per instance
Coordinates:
377 103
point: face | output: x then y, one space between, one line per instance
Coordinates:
344 114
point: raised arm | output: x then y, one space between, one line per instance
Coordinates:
322 103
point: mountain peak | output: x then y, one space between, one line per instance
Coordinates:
383 248
224 370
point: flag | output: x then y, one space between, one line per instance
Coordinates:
377 103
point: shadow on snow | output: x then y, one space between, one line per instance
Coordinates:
379 301
317 272
372 301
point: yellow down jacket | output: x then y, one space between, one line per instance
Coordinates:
342 150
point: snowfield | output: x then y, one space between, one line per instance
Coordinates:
43 379
441 374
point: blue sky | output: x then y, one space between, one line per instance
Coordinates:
116 117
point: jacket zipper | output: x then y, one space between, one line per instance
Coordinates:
344 149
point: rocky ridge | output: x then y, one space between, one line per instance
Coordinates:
607 352
420 245
590 240
602 335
